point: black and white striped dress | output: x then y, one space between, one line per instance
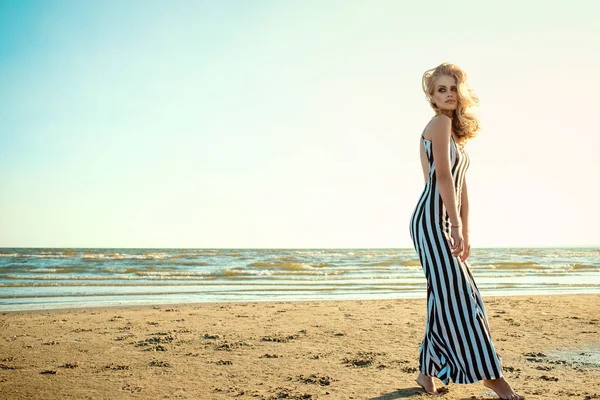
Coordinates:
457 344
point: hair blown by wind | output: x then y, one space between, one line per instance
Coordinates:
464 124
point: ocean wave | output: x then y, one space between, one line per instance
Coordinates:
512 264
584 267
288 266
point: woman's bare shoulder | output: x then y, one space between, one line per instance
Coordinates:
439 124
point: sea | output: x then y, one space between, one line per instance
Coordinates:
53 278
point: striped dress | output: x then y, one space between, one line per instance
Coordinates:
457 344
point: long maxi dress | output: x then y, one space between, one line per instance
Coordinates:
457 343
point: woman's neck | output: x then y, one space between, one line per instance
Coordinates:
448 113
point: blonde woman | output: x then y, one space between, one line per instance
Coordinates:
457 344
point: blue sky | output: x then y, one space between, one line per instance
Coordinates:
288 124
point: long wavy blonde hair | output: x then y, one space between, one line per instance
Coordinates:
464 123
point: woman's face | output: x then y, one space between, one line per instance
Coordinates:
445 93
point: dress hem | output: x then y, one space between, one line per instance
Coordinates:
461 381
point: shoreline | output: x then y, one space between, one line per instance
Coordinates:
312 349
374 298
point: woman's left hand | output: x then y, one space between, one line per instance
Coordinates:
466 247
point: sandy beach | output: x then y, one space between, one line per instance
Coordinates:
287 350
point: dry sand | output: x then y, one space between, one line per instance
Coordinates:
286 350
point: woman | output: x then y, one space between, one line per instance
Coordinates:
457 343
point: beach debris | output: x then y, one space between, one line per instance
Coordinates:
70 365
49 372
79 330
409 370
549 378
115 367
315 379
267 355
358 362
223 362
279 338
207 336
235 391
228 346
121 338
362 359
285 393
159 347
535 355
4 366
162 333
131 389
156 363
560 362
124 328
155 340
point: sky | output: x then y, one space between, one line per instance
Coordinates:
280 124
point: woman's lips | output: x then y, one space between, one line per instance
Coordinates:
451 101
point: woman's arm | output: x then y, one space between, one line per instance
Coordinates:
464 207
441 128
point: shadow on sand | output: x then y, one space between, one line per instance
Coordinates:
418 392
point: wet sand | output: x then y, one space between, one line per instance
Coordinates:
362 349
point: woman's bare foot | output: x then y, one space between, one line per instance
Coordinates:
427 383
502 388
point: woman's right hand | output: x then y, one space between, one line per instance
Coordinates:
457 241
